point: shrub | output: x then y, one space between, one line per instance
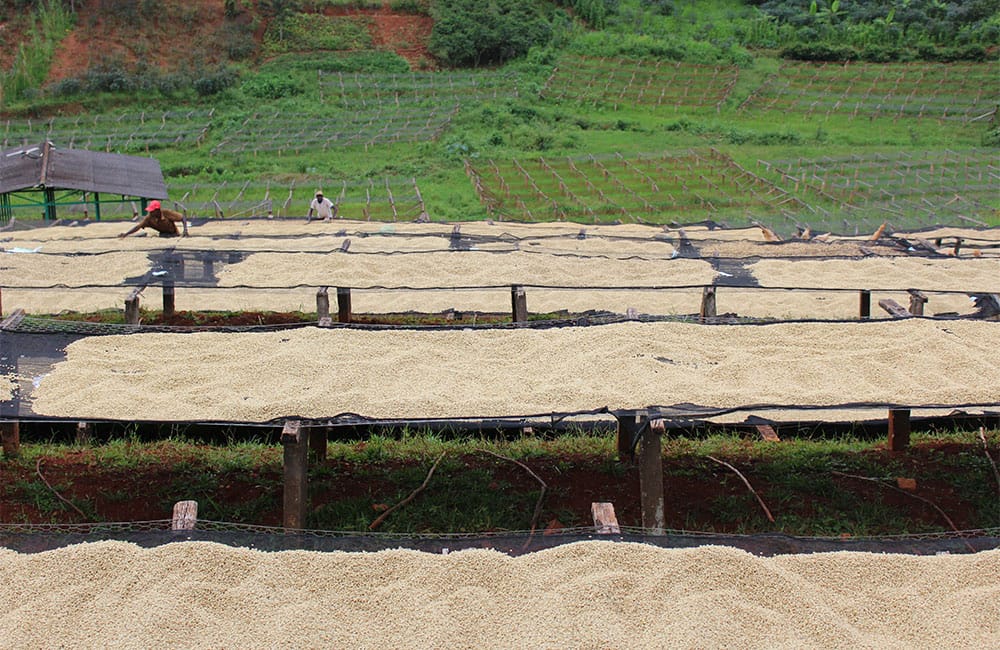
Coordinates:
472 33
271 86
414 7
215 82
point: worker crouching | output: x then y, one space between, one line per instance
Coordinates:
161 220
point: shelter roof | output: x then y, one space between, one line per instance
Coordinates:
46 166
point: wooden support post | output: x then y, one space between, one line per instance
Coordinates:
605 521
208 267
185 515
518 304
707 303
917 301
894 309
899 429
344 304
322 303
1 303
168 296
10 434
628 426
866 304
84 433
651 479
958 246
132 307
317 442
296 463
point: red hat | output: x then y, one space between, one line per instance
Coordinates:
153 205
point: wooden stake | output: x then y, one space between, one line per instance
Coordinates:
865 306
132 307
168 296
707 303
895 309
899 429
10 434
344 304
768 433
917 301
518 304
605 521
322 303
628 426
185 515
651 480
296 464
84 433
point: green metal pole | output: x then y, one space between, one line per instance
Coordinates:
97 206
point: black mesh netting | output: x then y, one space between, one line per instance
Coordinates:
36 538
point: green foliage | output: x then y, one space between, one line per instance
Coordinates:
304 32
32 60
412 7
271 86
474 33
363 61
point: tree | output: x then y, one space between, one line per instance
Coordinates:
279 11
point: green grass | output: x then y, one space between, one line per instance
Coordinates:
800 480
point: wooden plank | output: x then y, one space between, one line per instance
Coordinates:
651 480
13 320
326 322
895 309
343 304
185 515
628 428
865 305
296 462
899 429
768 433
605 521
518 304
10 436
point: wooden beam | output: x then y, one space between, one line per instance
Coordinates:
605 521
185 515
708 309
12 321
895 309
518 304
296 463
322 303
899 429
343 304
917 301
865 305
651 480
10 435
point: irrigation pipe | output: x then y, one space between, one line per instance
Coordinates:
986 450
375 524
541 495
767 512
884 483
38 470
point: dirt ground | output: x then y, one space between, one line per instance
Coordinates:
693 486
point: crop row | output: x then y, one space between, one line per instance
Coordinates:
938 91
354 90
283 133
622 82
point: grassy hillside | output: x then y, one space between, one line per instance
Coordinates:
249 106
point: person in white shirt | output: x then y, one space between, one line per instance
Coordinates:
324 208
